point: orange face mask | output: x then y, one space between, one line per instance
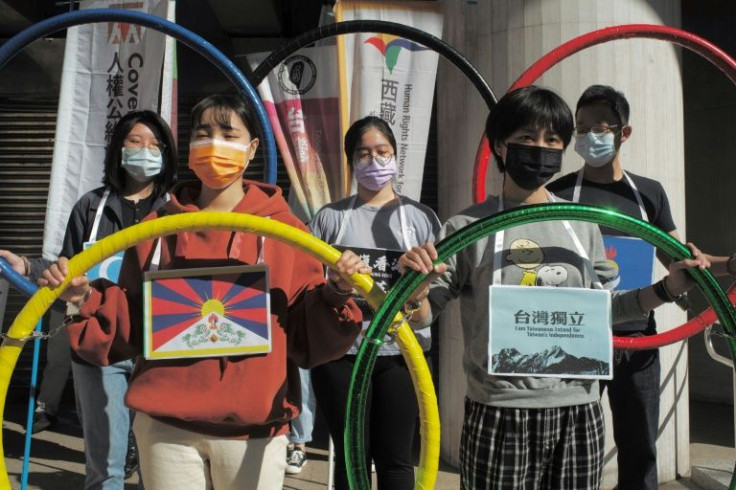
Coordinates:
218 163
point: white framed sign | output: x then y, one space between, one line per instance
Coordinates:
550 332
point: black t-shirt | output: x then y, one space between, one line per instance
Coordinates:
134 212
620 196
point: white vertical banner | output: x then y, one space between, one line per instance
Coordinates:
301 99
392 78
110 68
169 79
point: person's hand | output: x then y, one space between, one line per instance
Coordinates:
679 281
54 276
347 265
15 261
421 259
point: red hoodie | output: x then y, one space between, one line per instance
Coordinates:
241 397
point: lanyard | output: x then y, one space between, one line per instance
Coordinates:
642 211
402 223
498 249
98 216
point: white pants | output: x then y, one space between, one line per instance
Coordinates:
173 458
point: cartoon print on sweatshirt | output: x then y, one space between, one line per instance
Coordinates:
526 254
551 275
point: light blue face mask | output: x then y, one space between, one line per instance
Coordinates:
596 149
141 164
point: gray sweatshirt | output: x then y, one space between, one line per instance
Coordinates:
533 254
378 228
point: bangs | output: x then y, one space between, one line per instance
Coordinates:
154 129
222 107
220 115
544 111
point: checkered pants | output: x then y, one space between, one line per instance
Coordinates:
546 448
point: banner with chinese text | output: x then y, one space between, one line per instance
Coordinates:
169 108
392 78
109 69
550 332
301 99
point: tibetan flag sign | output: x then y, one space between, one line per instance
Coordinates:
207 312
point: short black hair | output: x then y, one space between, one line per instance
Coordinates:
359 127
114 176
223 105
528 107
604 94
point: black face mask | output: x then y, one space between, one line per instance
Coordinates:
532 166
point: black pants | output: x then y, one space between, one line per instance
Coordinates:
391 416
58 365
634 397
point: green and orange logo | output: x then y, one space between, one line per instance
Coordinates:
390 46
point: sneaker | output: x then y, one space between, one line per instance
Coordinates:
41 420
296 461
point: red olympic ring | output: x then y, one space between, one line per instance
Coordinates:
685 39
682 38
696 325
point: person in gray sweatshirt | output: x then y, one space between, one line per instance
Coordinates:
528 431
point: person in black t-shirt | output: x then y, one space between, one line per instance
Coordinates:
139 168
602 126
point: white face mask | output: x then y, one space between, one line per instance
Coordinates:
596 149
141 164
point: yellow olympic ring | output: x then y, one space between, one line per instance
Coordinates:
168 225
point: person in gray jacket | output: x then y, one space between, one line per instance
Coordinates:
528 431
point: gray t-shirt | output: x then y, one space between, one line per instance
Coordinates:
554 261
371 227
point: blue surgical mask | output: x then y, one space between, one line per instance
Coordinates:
596 149
141 164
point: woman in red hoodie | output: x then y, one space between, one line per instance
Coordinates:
221 421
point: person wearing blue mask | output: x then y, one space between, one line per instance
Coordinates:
139 168
601 128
